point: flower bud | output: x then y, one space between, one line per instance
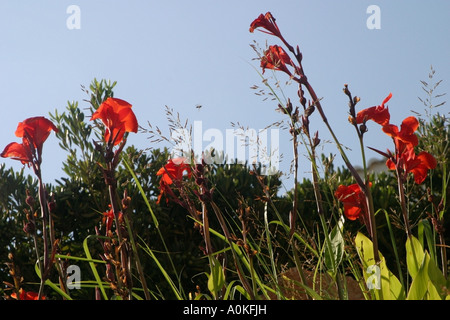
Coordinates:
316 139
52 206
310 110
363 128
29 200
126 200
199 167
352 120
29 227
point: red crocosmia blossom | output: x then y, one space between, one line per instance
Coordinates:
118 118
37 129
354 201
26 295
418 165
172 171
276 58
379 114
33 131
405 137
108 218
266 22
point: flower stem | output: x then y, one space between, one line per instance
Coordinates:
125 272
369 201
401 192
138 262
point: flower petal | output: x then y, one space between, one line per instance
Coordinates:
379 114
17 151
37 129
118 118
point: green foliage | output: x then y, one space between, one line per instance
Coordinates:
13 187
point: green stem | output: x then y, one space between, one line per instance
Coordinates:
137 259
440 218
369 201
401 192
123 253
44 216
295 200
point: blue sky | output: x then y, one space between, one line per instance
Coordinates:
185 53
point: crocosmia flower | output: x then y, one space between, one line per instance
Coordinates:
405 137
379 114
26 295
174 170
118 118
108 219
33 131
409 162
276 58
354 201
405 160
267 22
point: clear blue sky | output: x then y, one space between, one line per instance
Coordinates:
185 53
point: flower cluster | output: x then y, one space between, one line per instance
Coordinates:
118 119
275 57
403 160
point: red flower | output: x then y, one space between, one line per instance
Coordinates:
354 201
26 295
405 137
33 131
118 118
276 58
379 114
267 22
418 165
108 219
405 158
172 171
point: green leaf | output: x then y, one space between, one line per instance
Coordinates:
436 276
242 291
141 190
92 265
426 228
433 293
163 271
423 287
414 255
334 258
428 281
230 286
419 285
217 277
383 284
